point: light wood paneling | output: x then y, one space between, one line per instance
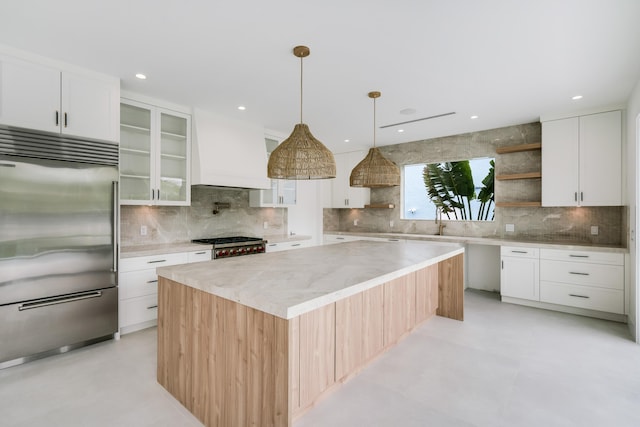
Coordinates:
399 308
359 330
373 315
317 353
349 334
451 288
426 293
226 363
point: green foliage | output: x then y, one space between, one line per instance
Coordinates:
450 187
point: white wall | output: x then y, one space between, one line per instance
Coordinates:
633 165
305 218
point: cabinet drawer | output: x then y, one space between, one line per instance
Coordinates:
580 273
154 261
608 300
517 251
138 283
197 256
138 310
583 256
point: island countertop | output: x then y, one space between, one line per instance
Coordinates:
288 284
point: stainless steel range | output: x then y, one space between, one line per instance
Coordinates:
225 247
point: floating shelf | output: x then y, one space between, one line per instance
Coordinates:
527 175
380 206
519 148
518 204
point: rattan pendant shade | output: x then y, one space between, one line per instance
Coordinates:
375 170
301 156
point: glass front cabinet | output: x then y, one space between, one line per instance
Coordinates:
155 150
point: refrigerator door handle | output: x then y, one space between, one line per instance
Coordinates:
57 300
115 227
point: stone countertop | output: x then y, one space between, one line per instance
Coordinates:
159 249
290 283
493 241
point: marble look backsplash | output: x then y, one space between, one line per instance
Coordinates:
168 224
555 224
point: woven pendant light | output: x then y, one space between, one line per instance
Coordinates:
375 170
301 156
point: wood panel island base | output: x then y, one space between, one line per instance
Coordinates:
241 344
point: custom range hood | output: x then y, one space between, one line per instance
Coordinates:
227 152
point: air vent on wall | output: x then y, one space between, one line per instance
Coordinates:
417 120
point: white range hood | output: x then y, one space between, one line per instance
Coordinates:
227 152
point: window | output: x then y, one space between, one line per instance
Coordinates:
462 189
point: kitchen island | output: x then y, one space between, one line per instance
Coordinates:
257 340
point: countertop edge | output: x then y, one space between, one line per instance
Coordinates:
491 241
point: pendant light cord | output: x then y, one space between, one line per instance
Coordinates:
374 122
301 90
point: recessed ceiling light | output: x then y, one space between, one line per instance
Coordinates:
408 111
474 117
346 140
575 98
400 130
141 76
242 107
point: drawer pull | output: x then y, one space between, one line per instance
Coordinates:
519 252
339 238
296 244
578 274
152 307
393 240
579 256
200 253
152 281
159 260
578 296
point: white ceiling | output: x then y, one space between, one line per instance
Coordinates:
506 61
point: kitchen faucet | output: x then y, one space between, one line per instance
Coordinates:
439 220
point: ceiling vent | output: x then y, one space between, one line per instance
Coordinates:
418 120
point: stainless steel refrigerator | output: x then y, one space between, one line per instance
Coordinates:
58 247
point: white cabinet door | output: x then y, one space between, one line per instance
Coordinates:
601 159
29 95
40 97
560 162
581 161
343 195
89 107
519 273
155 152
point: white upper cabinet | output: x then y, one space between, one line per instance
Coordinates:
42 97
282 192
155 155
342 194
582 160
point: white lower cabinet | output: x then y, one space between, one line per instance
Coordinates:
285 246
138 287
519 272
588 280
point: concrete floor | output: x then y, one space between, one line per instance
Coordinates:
505 365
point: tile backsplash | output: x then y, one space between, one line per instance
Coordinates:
168 224
557 224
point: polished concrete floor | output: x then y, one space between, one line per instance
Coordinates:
505 365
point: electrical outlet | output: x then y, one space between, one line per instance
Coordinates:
594 230
265 225
355 222
510 227
391 224
143 230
